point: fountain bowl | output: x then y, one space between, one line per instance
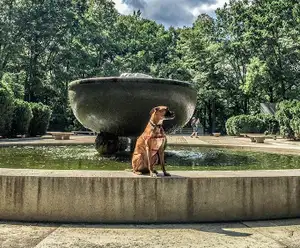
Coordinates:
121 105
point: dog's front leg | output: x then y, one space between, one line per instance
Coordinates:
152 174
161 154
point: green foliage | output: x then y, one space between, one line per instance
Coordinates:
15 83
260 123
295 122
246 55
271 125
245 124
21 117
288 116
40 121
6 108
230 125
295 125
284 115
255 77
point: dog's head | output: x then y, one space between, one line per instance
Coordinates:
161 113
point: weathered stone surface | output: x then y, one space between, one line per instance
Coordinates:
284 232
23 235
121 105
121 197
261 234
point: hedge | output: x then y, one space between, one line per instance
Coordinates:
6 109
286 121
288 116
229 125
271 125
40 121
251 124
21 117
285 113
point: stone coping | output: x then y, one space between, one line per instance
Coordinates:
98 80
127 174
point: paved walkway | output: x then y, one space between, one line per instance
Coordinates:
279 146
246 234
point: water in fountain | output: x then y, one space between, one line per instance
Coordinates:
85 157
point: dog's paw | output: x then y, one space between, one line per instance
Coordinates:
166 174
153 175
137 172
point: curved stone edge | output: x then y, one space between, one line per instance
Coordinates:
121 197
96 80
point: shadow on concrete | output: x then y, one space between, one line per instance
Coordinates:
217 228
208 227
160 175
222 230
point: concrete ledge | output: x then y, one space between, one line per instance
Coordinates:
121 197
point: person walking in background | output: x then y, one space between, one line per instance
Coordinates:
195 126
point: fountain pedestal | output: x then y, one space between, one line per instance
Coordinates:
108 144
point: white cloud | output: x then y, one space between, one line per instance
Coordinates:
122 7
170 12
208 8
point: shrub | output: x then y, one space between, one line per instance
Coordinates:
271 125
40 121
229 125
285 112
22 116
244 124
295 125
6 108
295 122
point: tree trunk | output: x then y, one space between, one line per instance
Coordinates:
213 116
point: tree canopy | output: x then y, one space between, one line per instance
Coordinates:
248 54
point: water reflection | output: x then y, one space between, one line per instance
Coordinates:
87 158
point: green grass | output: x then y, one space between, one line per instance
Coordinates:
86 158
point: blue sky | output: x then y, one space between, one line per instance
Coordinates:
176 13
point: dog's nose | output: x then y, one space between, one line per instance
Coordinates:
172 113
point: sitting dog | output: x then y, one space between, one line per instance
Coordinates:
150 146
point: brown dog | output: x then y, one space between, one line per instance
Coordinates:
149 148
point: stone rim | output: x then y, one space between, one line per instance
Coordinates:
99 80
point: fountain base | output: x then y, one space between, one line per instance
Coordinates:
108 144
123 197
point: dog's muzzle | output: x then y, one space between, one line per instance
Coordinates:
170 115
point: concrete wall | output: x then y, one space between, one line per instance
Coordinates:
120 197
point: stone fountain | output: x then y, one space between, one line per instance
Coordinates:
118 107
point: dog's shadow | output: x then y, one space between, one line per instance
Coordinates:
160 175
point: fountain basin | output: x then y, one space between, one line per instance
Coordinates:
121 106
121 197
62 190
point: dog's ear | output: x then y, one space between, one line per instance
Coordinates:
154 110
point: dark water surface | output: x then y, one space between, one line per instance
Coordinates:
87 158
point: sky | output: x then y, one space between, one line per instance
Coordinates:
177 13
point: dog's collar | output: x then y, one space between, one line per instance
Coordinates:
155 125
153 137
